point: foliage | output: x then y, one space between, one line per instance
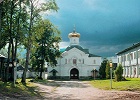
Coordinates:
19 21
47 49
102 68
34 28
107 70
118 73
13 25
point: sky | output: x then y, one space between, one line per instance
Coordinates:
106 26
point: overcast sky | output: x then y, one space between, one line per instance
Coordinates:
106 26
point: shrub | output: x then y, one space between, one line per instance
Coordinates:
118 73
107 70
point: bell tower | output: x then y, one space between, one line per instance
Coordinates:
74 37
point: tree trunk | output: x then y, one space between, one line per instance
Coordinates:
26 66
41 71
29 45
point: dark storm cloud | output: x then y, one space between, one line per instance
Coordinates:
106 26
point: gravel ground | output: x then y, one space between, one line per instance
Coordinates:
76 90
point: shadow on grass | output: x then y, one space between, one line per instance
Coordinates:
18 91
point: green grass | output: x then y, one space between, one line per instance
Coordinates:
132 84
26 89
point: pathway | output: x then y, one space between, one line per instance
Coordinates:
78 90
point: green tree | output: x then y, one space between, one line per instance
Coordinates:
48 49
34 16
10 28
107 70
119 73
102 68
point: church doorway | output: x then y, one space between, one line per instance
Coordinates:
74 73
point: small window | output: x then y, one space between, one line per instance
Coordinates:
135 55
74 61
131 56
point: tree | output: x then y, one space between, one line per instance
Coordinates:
18 19
35 10
119 73
8 32
107 70
102 68
13 27
48 49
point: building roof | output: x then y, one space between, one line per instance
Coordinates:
129 48
86 51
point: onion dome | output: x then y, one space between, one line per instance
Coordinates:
74 34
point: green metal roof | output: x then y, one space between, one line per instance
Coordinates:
129 48
86 51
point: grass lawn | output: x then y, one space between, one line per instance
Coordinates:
20 89
132 84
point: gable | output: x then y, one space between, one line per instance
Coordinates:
74 52
80 49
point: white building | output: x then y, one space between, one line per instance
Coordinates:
75 62
130 60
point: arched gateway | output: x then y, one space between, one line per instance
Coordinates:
74 73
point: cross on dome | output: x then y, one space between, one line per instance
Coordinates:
74 29
74 33
74 37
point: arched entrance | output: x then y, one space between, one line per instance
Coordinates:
74 73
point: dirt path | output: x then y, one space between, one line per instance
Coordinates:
78 90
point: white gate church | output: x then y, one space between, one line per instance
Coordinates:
75 62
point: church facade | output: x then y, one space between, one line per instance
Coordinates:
75 62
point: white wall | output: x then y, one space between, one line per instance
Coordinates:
84 69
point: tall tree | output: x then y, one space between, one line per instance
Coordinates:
102 69
107 70
11 27
35 10
48 49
